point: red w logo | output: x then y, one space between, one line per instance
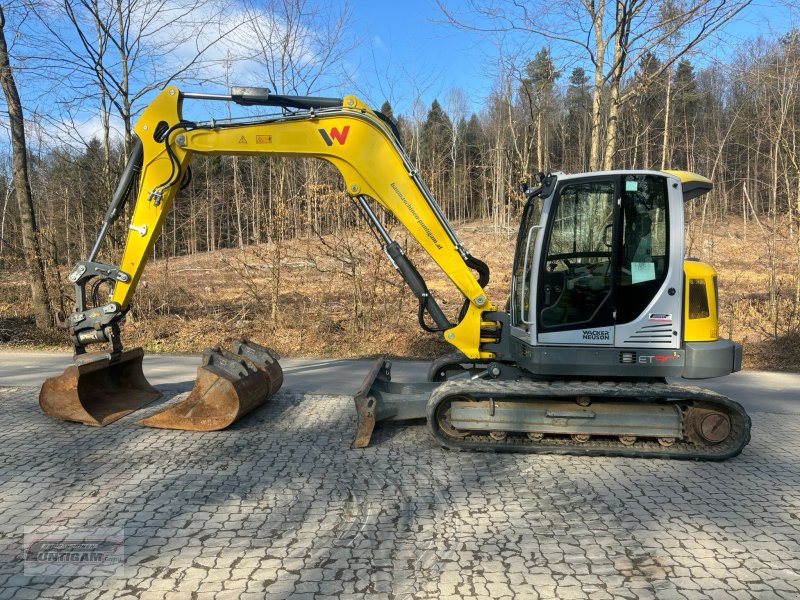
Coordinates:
335 134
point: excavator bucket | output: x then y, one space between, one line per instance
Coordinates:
229 385
98 389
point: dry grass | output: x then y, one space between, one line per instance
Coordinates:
767 324
338 297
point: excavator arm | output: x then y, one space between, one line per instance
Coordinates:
345 133
103 386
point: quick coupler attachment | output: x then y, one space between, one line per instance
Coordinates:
98 389
229 385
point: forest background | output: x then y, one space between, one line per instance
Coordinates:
274 249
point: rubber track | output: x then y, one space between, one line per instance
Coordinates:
661 393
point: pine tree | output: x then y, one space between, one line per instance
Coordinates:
538 87
435 140
578 106
686 102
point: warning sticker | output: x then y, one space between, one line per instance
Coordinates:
263 139
242 140
642 271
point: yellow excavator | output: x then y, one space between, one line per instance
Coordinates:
602 309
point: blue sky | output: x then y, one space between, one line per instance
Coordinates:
412 41
424 56
407 52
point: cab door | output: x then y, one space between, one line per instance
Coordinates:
523 273
576 278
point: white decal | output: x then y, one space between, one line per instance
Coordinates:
661 317
642 271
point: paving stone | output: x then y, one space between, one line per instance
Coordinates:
280 507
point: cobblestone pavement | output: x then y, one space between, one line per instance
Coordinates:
280 507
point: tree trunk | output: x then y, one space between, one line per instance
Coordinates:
540 164
665 162
595 154
125 100
238 192
623 24
610 150
22 187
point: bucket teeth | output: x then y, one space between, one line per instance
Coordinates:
229 385
98 389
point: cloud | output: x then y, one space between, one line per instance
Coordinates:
49 132
231 44
74 132
197 44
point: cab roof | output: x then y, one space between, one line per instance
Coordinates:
692 184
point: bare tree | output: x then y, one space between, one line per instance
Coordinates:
612 36
300 45
112 53
457 105
22 187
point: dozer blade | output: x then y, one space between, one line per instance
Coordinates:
98 389
229 385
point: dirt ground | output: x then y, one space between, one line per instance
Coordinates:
338 297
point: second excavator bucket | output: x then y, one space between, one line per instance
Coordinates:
229 385
98 389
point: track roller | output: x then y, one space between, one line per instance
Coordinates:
629 419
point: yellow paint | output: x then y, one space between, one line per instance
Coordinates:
466 335
156 169
688 177
365 156
702 329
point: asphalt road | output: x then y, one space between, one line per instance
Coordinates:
301 375
757 391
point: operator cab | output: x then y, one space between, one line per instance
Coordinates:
598 261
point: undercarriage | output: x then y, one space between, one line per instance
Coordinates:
590 418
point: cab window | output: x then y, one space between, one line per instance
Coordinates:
576 279
645 243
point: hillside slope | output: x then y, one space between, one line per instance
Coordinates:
339 297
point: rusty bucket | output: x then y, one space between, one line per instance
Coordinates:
98 389
229 385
